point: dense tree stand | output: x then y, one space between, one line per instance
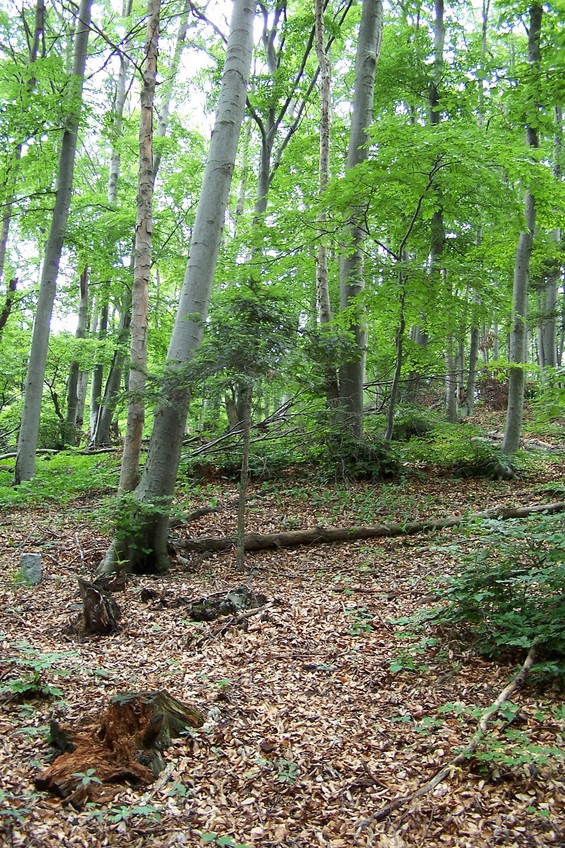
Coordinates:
125 747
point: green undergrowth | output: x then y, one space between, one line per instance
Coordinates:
506 595
60 478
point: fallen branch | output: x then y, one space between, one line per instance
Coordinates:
316 535
447 770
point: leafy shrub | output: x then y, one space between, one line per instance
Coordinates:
460 449
487 461
509 594
361 459
409 421
549 399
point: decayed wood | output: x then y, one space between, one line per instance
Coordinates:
466 753
100 611
316 535
125 747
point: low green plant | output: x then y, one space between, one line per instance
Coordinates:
36 667
60 478
287 771
363 458
87 777
411 421
13 806
210 837
549 398
508 594
361 620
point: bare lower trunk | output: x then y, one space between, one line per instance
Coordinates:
351 274
71 436
244 477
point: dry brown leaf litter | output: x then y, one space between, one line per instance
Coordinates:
309 731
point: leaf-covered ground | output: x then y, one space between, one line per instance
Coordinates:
318 714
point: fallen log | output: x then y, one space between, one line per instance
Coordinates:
126 746
317 535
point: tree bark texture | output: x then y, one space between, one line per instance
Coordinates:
317 535
351 271
518 334
142 260
157 483
33 390
71 436
323 301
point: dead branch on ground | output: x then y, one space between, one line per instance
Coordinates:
467 752
317 535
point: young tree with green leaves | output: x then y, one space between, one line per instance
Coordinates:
142 260
518 334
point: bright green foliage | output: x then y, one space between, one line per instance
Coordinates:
36 672
360 459
60 478
509 595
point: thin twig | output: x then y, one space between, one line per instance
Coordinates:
447 770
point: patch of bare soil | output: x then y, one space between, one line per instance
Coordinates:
317 714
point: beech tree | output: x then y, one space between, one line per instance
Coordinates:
33 391
352 372
518 336
141 540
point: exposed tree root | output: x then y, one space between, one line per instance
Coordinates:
447 770
315 535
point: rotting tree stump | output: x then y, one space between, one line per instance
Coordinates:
100 612
126 747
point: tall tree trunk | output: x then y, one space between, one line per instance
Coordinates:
33 392
146 549
324 308
70 435
351 272
547 328
107 405
142 261
112 194
518 336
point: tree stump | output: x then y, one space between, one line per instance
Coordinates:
100 611
126 747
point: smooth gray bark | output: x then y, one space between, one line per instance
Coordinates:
351 272
71 436
548 307
518 335
148 550
33 391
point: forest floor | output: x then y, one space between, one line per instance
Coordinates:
318 714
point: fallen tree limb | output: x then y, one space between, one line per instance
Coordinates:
516 682
315 535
